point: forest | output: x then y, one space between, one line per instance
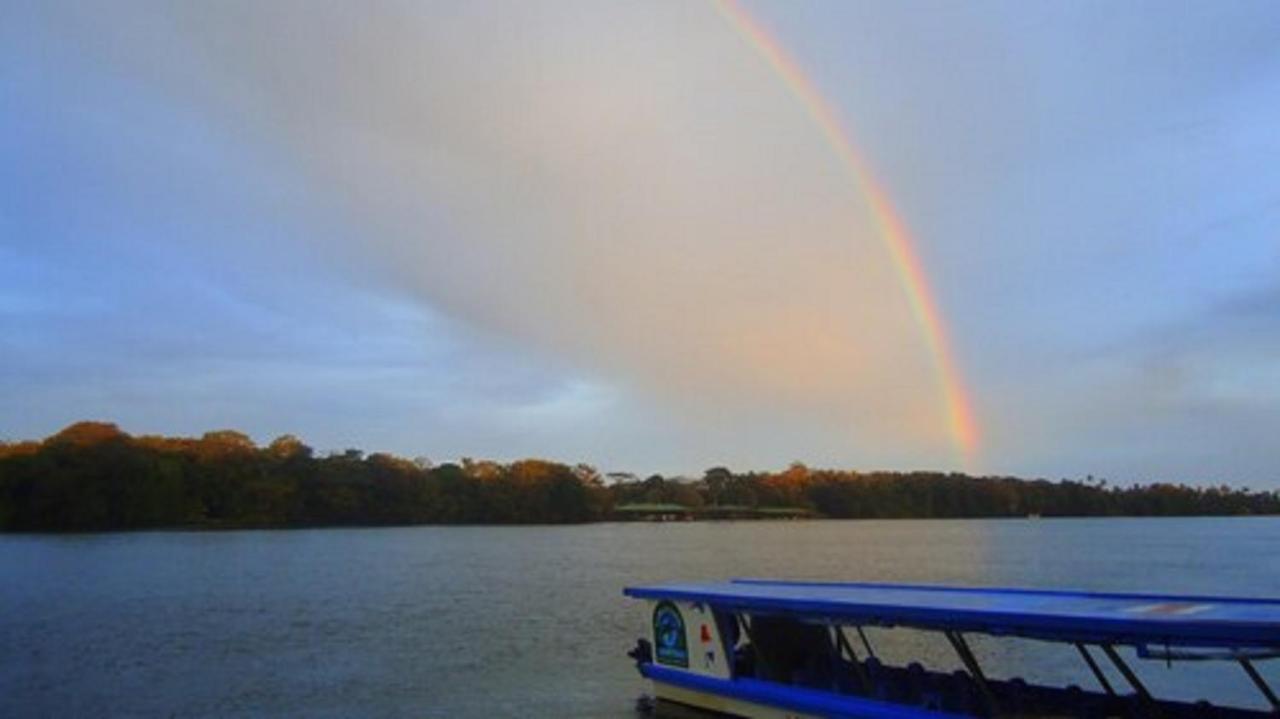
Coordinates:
92 476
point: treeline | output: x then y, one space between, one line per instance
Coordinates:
900 495
93 476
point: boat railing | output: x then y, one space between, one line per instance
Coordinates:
854 668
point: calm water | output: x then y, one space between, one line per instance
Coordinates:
523 621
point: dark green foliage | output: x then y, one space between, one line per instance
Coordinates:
872 495
92 476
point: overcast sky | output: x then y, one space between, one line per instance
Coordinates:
608 232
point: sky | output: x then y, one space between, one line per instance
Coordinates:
617 233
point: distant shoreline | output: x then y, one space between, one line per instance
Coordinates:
203 529
92 477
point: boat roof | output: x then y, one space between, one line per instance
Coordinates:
1065 616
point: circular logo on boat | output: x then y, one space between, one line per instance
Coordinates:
670 645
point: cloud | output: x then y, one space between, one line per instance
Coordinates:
1193 400
626 237
627 188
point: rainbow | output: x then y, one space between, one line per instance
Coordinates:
962 425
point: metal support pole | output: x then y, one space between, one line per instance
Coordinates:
835 657
755 646
1259 682
1129 676
1097 670
842 644
971 663
866 643
1132 678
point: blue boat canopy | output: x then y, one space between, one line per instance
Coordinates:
1169 621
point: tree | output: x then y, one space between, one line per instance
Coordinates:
223 443
88 433
287 446
717 480
588 475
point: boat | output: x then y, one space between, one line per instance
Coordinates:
786 649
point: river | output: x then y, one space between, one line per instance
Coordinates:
515 621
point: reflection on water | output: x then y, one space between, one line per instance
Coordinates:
516 621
